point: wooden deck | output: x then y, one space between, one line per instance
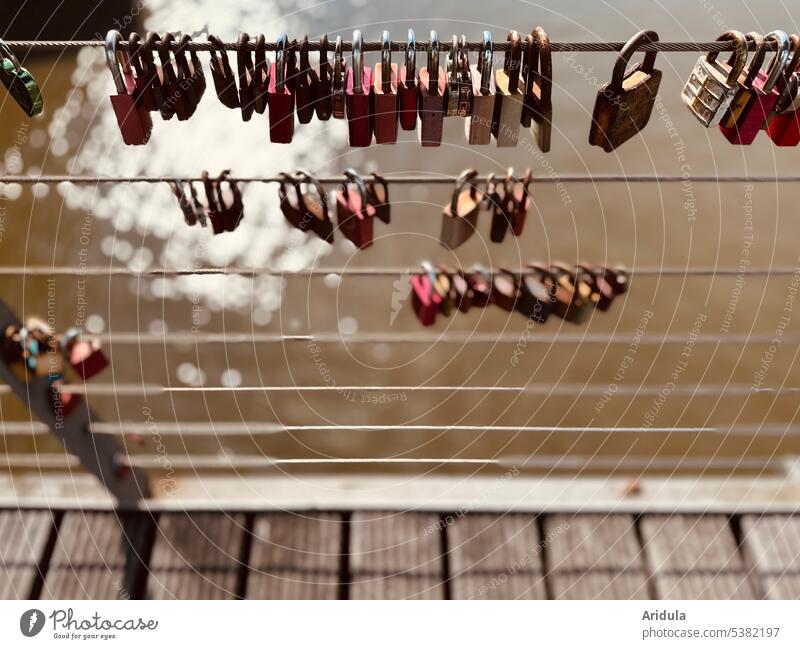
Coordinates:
375 554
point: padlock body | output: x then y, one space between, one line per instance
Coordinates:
281 110
87 360
458 227
707 92
134 120
478 126
507 111
424 299
407 100
753 117
305 100
386 102
432 105
541 115
619 116
359 108
784 129
355 221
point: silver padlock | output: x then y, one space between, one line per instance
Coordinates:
452 79
712 85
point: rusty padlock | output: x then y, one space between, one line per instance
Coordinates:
144 90
177 99
354 214
432 97
744 86
711 87
222 75
247 77
624 105
378 197
261 76
338 81
460 217
385 87
281 98
323 107
306 90
538 110
509 99
495 201
359 96
407 89
763 96
133 118
479 124
315 205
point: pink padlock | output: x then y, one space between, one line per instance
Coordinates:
85 356
765 95
385 89
133 118
355 215
407 89
281 97
359 97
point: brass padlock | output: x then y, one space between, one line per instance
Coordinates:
460 217
538 110
623 106
509 99
712 85
744 87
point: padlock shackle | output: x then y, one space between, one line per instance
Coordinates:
512 63
358 61
463 56
338 65
628 50
467 177
738 57
353 177
544 59
280 62
324 64
6 53
452 61
306 178
433 63
485 64
386 62
208 185
779 60
757 60
411 58
112 59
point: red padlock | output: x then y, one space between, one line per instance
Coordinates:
85 356
385 78
784 129
765 95
281 97
144 88
407 89
133 118
177 99
353 212
358 90
432 97
424 299
247 77
213 209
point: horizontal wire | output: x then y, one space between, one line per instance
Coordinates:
542 462
573 390
465 338
421 45
418 179
375 271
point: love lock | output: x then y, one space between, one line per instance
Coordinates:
509 98
407 89
213 209
354 213
479 124
176 99
247 80
221 73
315 206
323 107
359 96
134 120
519 202
538 110
144 90
190 75
183 201
338 81
496 199
385 88
306 89
378 197
281 98
460 217
231 211
432 96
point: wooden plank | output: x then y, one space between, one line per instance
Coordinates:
23 539
594 556
196 556
295 556
395 556
704 585
772 543
481 585
683 543
785 586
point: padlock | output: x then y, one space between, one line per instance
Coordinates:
260 76
378 197
144 90
323 106
152 74
440 281
247 77
509 98
221 73
479 124
538 110
306 90
338 81
85 356
505 290
495 201
134 120
460 217
519 202
190 75
432 97
453 63
464 80
20 83
624 105
385 88
573 294
183 201
602 292
764 95
281 98
784 81
536 298
424 299
616 278
480 282
199 209
407 89
354 214
784 129
744 88
359 96
315 206
291 202
712 85
462 292
231 211
176 100
213 209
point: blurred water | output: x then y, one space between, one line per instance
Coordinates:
634 225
